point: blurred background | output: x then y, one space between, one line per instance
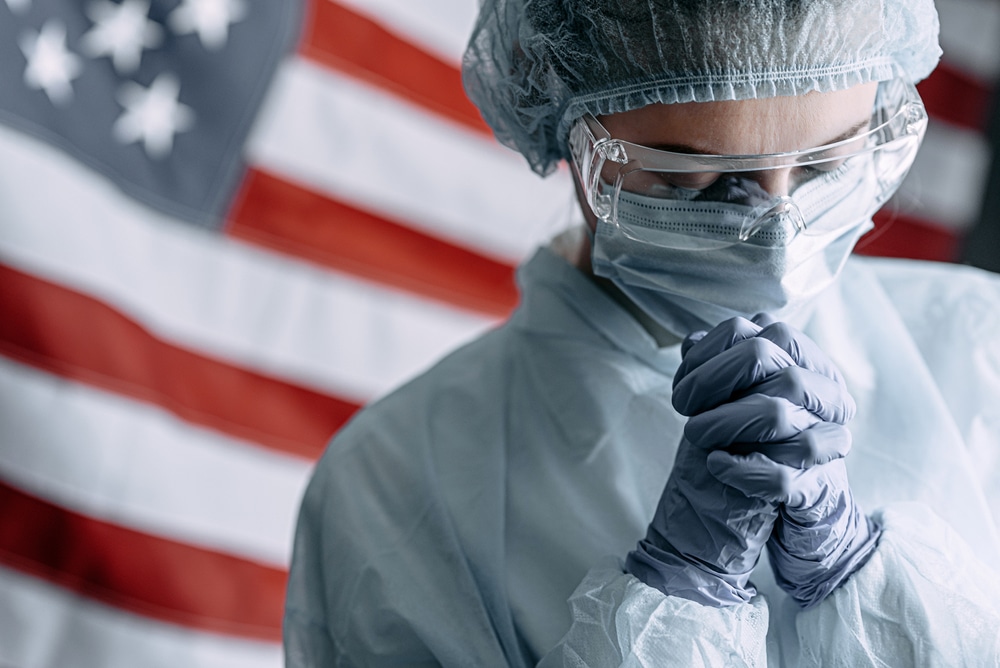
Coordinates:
225 225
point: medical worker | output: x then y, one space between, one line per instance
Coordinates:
708 436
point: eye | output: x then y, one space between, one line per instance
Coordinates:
809 172
694 181
824 167
668 185
831 169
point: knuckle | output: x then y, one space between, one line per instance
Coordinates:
695 431
783 482
758 348
782 331
774 413
728 332
791 340
681 399
737 324
848 440
844 439
850 407
824 442
794 383
691 340
811 447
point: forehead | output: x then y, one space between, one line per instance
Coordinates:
746 127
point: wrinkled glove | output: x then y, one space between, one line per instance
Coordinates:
706 536
820 536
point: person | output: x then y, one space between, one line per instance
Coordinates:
708 435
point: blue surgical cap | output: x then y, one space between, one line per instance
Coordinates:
534 66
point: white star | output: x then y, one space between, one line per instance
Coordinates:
152 115
209 18
51 67
121 32
18 6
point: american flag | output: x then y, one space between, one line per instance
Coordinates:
225 225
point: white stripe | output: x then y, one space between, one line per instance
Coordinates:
359 144
948 178
137 466
42 626
201 290
440 27
970 36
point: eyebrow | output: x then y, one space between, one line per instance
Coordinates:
692 150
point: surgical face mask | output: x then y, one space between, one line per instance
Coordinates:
776 270
694 239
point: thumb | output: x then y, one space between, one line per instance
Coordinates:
757 476
753 474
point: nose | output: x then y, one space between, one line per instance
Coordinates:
777 182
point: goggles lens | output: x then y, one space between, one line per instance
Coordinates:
695 201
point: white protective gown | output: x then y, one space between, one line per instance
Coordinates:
480 515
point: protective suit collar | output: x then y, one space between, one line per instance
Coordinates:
552 289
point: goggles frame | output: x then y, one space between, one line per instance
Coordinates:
898 117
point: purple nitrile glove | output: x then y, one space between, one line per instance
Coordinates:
746 391
821 536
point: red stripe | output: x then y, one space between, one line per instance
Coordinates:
907 237
349 42
78 337
140 573
277 214
956 97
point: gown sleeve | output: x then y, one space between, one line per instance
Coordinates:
923 599
619 621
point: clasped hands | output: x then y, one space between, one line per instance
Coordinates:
761 463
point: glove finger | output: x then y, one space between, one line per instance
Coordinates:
699 347
821 443
756 418
813 391
802 349
758 477
728 374
690 340
764 319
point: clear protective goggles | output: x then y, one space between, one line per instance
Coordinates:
695 201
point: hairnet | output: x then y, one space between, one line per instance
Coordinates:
534 66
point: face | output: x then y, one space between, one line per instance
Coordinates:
746 127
